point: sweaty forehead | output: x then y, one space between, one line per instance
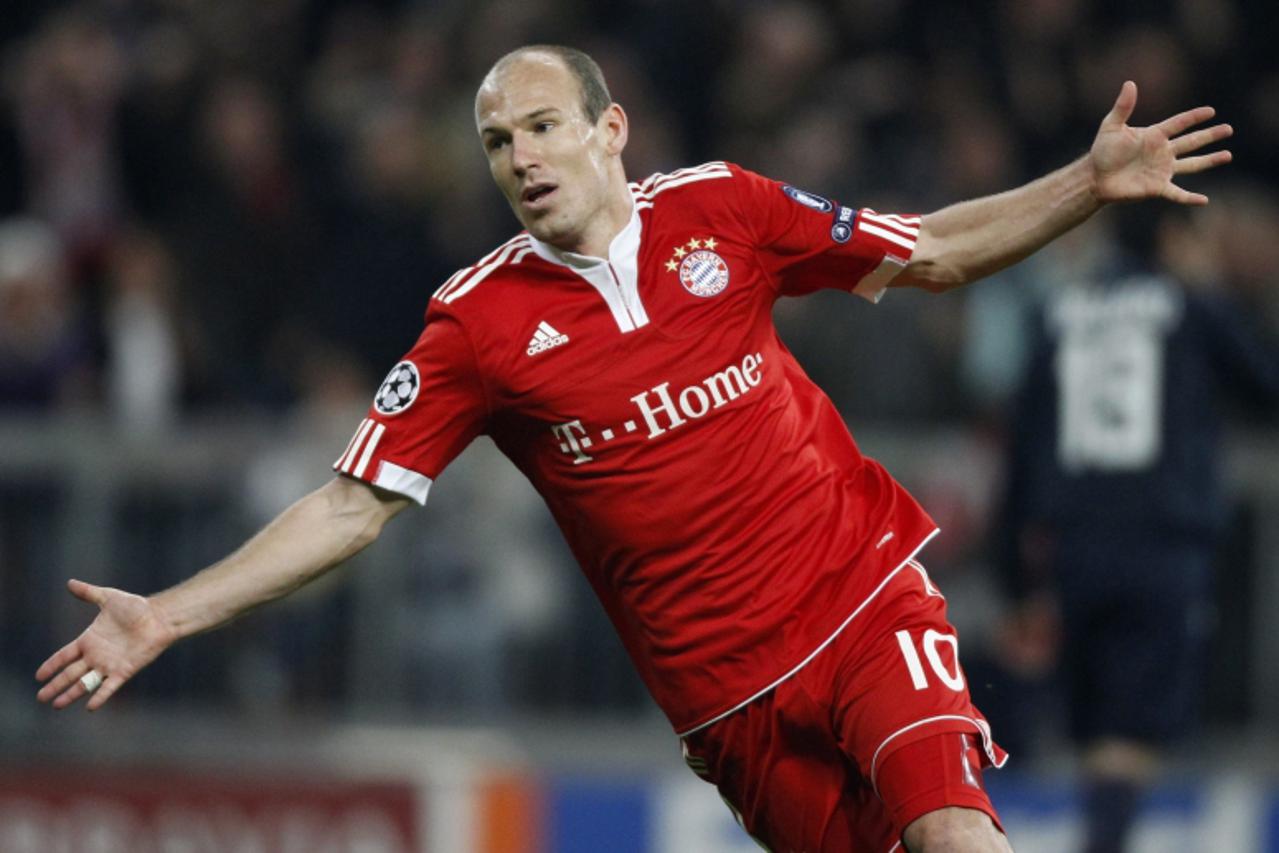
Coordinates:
522 85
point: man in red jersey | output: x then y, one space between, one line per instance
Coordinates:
621 352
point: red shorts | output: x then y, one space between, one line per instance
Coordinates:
875 731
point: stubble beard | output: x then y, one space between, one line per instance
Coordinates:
554 227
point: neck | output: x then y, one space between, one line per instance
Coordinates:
612 217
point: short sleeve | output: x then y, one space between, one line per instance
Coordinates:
428 409
808 242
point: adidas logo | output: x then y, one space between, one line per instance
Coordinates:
545 338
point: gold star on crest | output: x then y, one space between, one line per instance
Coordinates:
694 244
680 251
710 243
671 266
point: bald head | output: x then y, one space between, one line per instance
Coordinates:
590 80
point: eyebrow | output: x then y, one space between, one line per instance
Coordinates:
533 116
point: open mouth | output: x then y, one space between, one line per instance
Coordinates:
533 195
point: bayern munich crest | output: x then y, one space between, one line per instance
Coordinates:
398 390
701 270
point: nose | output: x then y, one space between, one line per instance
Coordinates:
524 153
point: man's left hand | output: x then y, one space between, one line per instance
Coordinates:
1131 163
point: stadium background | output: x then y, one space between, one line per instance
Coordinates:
220 224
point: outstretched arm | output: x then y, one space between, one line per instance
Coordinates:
970 240
306 540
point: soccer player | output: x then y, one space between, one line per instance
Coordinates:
1114 504
621 351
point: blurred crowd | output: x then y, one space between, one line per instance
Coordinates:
249 203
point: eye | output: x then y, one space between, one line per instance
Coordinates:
543 126
495 143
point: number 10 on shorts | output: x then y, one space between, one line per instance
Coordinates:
953 680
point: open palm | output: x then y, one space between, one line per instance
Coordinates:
128 633
1131 163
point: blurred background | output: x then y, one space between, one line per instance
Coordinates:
220 224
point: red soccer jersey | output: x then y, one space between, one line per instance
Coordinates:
709 490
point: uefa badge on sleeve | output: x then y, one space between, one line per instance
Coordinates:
810 200
842 230
398 390
701 270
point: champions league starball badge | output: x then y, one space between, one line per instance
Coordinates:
701 270
398 390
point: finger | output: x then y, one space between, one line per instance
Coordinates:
58 660
1189 165
105 692
87 591
1124 105
1200 138
1174 193
66 680
79 689
1175 125
69 696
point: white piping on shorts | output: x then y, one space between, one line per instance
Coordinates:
826 642
982 727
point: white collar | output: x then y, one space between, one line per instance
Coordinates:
624 243
616 277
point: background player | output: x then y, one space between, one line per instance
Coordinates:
1114 504
555 152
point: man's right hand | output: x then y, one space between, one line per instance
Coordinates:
129 632
321 530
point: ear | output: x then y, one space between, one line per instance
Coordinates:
614 124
